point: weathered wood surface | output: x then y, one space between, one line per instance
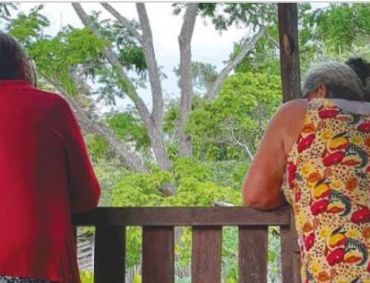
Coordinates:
109 260
290 256
206 254
158 255
291 85
182 216
253 254
158 242
289 51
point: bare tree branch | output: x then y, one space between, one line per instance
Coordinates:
146 41
123 21
242 145
186 83
151 62
8 19
153 131
245 48
128 159
114 61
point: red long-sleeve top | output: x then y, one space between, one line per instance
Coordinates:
45 176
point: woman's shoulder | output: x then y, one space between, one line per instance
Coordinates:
290 116
292 108
49 100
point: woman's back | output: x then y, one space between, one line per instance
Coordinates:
45 175
327 183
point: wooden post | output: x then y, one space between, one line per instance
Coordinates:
289 52
158 254
253 254
291 85
206 254
290 254
109 259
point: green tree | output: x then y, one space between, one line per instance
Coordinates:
230 127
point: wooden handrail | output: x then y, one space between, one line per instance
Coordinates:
182 216
158 241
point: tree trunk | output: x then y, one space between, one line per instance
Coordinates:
151 62
129 159
186 84
154 133
245 48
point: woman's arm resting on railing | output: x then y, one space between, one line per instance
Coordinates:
83 185
262 185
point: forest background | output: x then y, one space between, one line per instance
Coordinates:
192 148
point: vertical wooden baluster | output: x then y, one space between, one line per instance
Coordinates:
109 258
158 255
290 257
253 254
206 254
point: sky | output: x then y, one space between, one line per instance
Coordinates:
208 45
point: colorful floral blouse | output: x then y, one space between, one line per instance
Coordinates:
327 184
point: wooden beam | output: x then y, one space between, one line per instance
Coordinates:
289 51
182 216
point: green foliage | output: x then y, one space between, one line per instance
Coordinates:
28 28
230 254
170 117
203 76
191 168
228 173
137 278
235 121
121 39
129 128
264 58
86 277
224 15
348 23
334 32
133 246
137 189
192 192
68 50
274 254
97 146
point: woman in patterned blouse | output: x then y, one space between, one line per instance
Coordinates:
321 167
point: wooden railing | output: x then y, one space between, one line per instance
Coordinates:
158 242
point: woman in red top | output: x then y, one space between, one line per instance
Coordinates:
45 176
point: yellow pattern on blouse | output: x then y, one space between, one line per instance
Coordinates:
327 184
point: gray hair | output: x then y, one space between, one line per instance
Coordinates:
340 80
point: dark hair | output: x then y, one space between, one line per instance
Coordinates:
362 69
14 64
